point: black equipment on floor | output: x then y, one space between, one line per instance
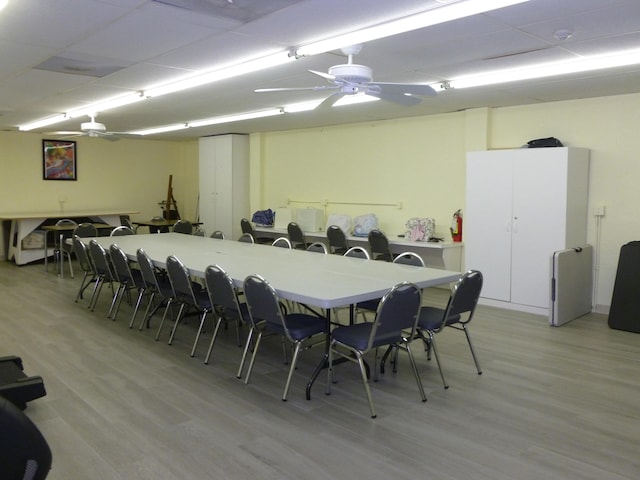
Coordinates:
624 313
15 385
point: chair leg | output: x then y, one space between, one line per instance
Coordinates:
202 319
114 300
164 316
330 376
294 361
432 344
415 372
181 313
473 352
363 372
253 357
117 300
244 353
141 293
96 293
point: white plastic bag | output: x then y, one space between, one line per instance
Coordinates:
341 220
363 224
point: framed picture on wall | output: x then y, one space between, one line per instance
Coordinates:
59 160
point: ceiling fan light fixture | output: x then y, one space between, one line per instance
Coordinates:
462 9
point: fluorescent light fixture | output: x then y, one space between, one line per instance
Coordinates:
465 8
166 128
43 123
236 117
301 106
355 99
598 62
110 104
223 73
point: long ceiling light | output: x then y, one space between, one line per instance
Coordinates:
465 8
598 62
243 68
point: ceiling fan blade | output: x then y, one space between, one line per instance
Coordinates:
398 98
295 89
327 76
330 100
411 88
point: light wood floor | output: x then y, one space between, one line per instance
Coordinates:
553 403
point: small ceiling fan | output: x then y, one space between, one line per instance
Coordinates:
352 79
91 129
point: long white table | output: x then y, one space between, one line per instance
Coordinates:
445 255
325 281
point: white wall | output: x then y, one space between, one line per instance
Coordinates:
421 162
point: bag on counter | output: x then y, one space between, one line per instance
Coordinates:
263 218
363 224
341 220
420 229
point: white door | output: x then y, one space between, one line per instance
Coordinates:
539 219
487 221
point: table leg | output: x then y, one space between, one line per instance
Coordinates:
324 363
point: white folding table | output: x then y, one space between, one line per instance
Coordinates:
324 281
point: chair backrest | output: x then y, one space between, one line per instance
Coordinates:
357 252
24 452
336 237
282 242
464 297
160 229
379 245
121 231
82 254
410 258
183 226
262 301
147 269
247 227
100 260
125 220
222 292
66 222
85 230
180 280
295 233
218 234
397 311
246 238
120 263
318 247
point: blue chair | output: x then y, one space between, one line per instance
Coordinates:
457 314
396 315
268 314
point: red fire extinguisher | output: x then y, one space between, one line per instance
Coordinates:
456 226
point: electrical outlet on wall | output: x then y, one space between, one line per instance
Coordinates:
599 211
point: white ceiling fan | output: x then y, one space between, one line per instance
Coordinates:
91 129
352 79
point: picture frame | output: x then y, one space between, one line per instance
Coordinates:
59 160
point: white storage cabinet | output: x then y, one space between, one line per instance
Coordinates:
224 183
521 206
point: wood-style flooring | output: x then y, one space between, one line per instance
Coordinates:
552 403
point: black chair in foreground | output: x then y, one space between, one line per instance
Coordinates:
282 242
246 238
24 452
457 314
357 252
396 314
318 247
337 240
301 329
218 234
